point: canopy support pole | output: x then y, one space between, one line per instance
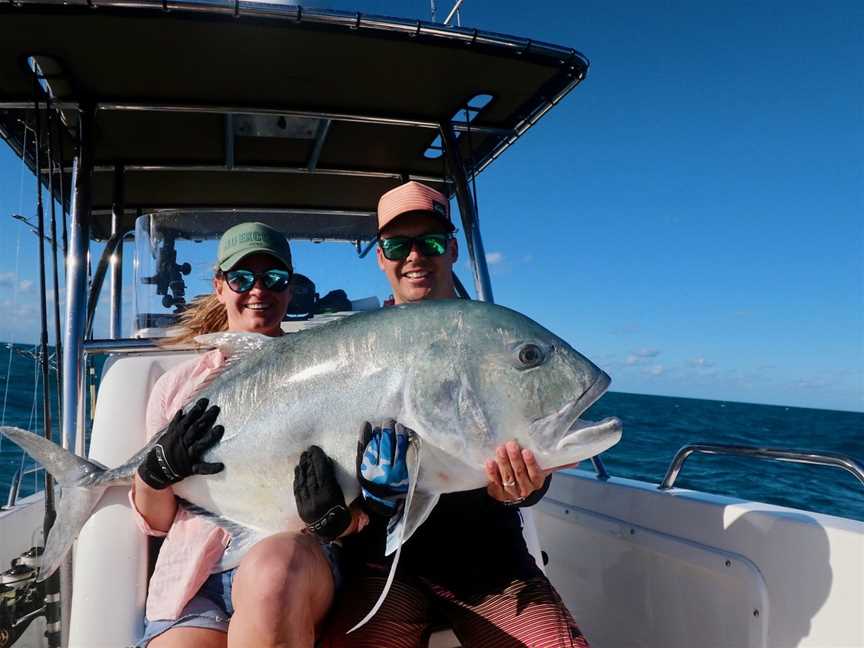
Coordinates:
115 323
320 137
468 212
76 312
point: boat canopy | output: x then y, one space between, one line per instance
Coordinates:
236 104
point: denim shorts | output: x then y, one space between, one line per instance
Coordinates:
211 608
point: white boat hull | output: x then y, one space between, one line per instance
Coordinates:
641 568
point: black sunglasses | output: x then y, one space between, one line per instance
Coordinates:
397 248
242 281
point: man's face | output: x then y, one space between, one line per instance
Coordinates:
418 277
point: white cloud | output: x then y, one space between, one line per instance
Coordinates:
7 279
814 383
640 356
494 257
25 285
656 370
18 311
701 363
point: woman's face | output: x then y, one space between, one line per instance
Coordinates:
260 310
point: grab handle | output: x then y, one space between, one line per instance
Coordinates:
794 456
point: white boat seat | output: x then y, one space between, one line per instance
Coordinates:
110 546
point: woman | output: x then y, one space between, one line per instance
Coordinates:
284 586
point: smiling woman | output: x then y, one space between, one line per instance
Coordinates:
253 278
251 288
255 294
189 600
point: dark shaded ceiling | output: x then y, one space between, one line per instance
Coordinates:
221 59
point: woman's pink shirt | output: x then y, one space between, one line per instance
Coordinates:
193 545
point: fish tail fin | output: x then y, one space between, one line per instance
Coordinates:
82 490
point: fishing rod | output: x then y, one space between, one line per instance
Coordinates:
53 625
58 347
57 134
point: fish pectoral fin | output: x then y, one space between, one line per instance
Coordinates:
242 538
418 504
417 508
421 508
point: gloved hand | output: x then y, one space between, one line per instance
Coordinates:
381 467
319 498
177 455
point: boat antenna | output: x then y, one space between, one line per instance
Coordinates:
434 10
454 12
52 584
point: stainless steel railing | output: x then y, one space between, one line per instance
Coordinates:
832 459
15 486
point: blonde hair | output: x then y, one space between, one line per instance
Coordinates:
203 315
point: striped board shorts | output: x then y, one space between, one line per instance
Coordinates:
524 613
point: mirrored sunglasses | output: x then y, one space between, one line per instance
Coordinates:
397 248
275 279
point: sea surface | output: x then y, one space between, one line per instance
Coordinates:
655 427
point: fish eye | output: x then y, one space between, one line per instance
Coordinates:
530 355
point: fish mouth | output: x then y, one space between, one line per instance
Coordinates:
590 437
594 436
569 414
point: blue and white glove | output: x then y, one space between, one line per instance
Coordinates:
382 469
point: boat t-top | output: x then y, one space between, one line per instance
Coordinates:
158 124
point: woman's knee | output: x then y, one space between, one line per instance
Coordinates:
283 568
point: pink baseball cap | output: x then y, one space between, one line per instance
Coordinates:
413 197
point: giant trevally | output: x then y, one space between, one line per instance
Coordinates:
466 376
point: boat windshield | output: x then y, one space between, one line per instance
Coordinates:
175 259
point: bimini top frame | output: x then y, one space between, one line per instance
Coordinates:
230 103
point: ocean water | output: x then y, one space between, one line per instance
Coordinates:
655 427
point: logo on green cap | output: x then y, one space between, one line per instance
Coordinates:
248 238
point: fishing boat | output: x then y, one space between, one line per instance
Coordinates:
157 140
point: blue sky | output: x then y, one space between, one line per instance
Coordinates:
690 217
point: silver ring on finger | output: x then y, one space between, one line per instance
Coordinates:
509 483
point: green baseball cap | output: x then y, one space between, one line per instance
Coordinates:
244 239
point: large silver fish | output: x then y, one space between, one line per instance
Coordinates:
465 376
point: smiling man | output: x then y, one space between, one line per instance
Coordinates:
416 249
468 563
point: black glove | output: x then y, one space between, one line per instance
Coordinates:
177 454
320 501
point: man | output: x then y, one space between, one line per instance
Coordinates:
468 564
